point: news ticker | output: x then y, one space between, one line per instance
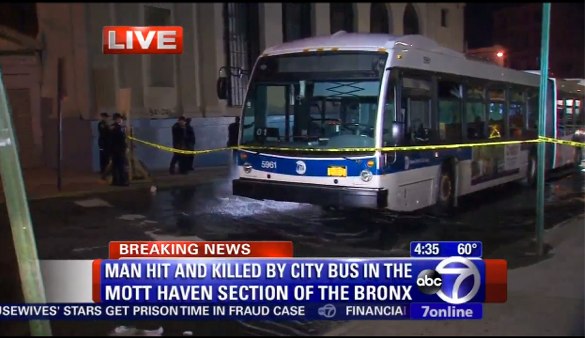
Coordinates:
266 311
261 280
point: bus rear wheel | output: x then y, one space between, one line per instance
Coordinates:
578 157
446 191
530 180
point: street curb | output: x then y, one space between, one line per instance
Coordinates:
554 235
136 185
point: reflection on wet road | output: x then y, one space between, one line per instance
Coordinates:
502 218
497 217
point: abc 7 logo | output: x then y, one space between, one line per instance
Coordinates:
430 282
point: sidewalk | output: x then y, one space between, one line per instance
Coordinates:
42 183
543 299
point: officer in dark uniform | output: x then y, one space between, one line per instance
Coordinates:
104 142
233 131
190 142
118 152
179 131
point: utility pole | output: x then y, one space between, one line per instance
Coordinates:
20 223
542 128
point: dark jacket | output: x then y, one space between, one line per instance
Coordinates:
190 137
179 136
233 131
118 139
103 134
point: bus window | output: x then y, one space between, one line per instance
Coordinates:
532 113
496 112
572 113
475 112
579 116
449 95
388 117
516 118
330 100
564 115
416 104
275 111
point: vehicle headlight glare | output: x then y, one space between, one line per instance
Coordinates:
247 168
366 175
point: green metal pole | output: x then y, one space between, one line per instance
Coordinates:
20 222
542 129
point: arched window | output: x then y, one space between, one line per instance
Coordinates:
341 17
411 25
379 19
296 21
241 22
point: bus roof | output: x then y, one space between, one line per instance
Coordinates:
570 86
413 51
358 41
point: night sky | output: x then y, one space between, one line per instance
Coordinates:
479 23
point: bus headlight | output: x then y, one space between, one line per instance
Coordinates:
366 175
247 168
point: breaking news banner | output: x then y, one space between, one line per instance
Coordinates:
261 281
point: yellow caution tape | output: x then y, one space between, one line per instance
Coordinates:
404 148
564 142
178 151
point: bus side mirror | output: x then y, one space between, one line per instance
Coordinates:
222 88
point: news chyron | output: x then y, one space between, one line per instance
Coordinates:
142 40
242 280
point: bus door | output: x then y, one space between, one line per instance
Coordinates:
416 109
551 123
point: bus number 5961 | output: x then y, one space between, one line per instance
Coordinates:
268 164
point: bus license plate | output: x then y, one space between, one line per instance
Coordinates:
337 171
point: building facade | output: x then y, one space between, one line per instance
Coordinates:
20 65
519 29
217 36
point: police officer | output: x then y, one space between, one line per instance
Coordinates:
104 142
179 131
118 151
233 131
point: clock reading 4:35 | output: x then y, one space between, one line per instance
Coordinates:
427 249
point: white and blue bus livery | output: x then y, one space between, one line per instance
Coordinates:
374 90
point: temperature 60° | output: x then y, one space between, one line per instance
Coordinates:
465 249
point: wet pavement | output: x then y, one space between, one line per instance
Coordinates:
502 218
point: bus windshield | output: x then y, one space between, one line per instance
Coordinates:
310 100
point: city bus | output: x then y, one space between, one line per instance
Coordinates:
569 122
310 100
